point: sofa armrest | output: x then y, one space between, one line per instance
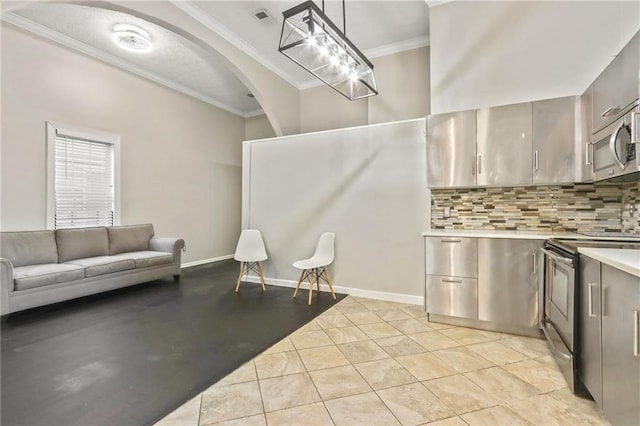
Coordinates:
6 284
168 245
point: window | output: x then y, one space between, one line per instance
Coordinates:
82 177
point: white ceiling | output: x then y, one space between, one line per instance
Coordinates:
377 27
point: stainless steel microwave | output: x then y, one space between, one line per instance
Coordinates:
616 148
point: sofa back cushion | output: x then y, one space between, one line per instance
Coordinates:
78 243
29 247
123 239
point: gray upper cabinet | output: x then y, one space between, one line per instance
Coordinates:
631 71
504 150
554 134
617 86
451 149
607 94
583 148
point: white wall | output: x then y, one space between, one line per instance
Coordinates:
486 53
403 83
366 184
180 157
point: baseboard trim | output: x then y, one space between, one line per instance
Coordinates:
205 261
359 292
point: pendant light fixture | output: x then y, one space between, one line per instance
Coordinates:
314 42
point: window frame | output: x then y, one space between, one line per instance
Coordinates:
52 129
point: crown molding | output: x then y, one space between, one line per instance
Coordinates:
216 26
254 113
390 49
376 52
433 3
93 52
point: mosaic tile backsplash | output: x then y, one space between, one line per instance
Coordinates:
595 207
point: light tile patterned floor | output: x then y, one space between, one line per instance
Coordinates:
369 362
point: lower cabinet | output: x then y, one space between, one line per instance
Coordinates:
508 281
620 357
502 286
609 344
452 296
590 358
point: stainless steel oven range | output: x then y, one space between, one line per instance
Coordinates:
559 299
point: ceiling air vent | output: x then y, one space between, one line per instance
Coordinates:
261 15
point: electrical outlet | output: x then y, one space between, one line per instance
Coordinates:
447 212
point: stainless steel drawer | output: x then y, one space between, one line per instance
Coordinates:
455 257
452 296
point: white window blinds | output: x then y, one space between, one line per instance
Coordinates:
84 182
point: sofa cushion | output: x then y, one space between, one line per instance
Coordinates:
100 265
29 247
32 276
79 243
123 239
144 259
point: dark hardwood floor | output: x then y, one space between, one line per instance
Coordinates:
131 356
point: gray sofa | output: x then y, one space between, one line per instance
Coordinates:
42 267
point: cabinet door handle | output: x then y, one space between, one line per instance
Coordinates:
473 166
610 111
450 240
589 294
479 164
603 310
536 160
588 154
449 280
535 266
636 326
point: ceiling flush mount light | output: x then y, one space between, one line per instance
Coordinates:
131 37
311 40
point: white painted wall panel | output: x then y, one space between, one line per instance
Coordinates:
366 184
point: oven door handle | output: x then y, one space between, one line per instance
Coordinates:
557 258
562 354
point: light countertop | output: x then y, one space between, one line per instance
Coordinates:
627 260
520 235
525 235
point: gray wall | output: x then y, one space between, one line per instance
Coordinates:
258 127
403 83
366 184
180 158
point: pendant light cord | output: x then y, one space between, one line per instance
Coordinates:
344 19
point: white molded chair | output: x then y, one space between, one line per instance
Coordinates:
250 252
315 267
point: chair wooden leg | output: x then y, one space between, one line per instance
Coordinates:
317 281
261 276
295 293
326 276
240 276
310 286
